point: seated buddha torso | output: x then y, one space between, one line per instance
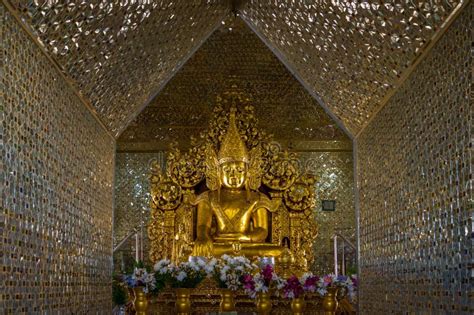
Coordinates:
240 215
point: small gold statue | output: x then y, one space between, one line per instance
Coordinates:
239 209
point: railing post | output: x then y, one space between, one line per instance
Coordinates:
141 241
137 249
335 255
343 258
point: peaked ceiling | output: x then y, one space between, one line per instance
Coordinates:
120 53
232 59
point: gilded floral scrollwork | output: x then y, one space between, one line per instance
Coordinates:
281 168
186 170
301 195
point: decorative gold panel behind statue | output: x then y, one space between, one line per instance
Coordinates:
234 192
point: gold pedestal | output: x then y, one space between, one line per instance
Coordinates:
141 302
227 303
183 301
298 305
330 301
264 303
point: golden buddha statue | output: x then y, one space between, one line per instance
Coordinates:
239 209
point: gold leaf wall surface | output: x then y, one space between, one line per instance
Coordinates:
56 189
415 171
118 53
349 52
232 56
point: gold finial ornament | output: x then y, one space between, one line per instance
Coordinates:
233 148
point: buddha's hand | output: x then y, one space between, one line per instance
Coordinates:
203 247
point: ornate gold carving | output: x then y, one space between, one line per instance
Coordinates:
166 194
277 172
301 195
232 147
281 168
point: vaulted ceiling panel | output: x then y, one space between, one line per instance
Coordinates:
118 53
350 52
232 59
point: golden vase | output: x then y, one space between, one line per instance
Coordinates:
227 302
330 301
140 303
183 301
297 305
264 303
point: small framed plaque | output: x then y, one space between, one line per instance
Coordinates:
329 205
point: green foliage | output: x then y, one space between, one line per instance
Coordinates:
119 293
351 270
186 283
161 281
192 279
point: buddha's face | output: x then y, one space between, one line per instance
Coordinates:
233 174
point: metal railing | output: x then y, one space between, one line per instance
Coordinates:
138 233
340 239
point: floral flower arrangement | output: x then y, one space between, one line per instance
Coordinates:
188 274
141 278
262 281
228 271
346 283
235 273
310 282
163 271
293 288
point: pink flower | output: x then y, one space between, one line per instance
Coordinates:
248 282
310 283
293 287
327 280
267 274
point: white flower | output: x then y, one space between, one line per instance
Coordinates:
223 277
322 291
181 276
305 276
259 287
225 269
162 263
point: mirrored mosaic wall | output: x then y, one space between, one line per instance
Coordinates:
56 189
119 53
335 170
350 52
132 191
416 188
232 59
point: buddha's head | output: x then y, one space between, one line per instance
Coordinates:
233 174
233 157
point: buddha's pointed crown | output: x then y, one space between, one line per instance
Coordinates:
232 146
